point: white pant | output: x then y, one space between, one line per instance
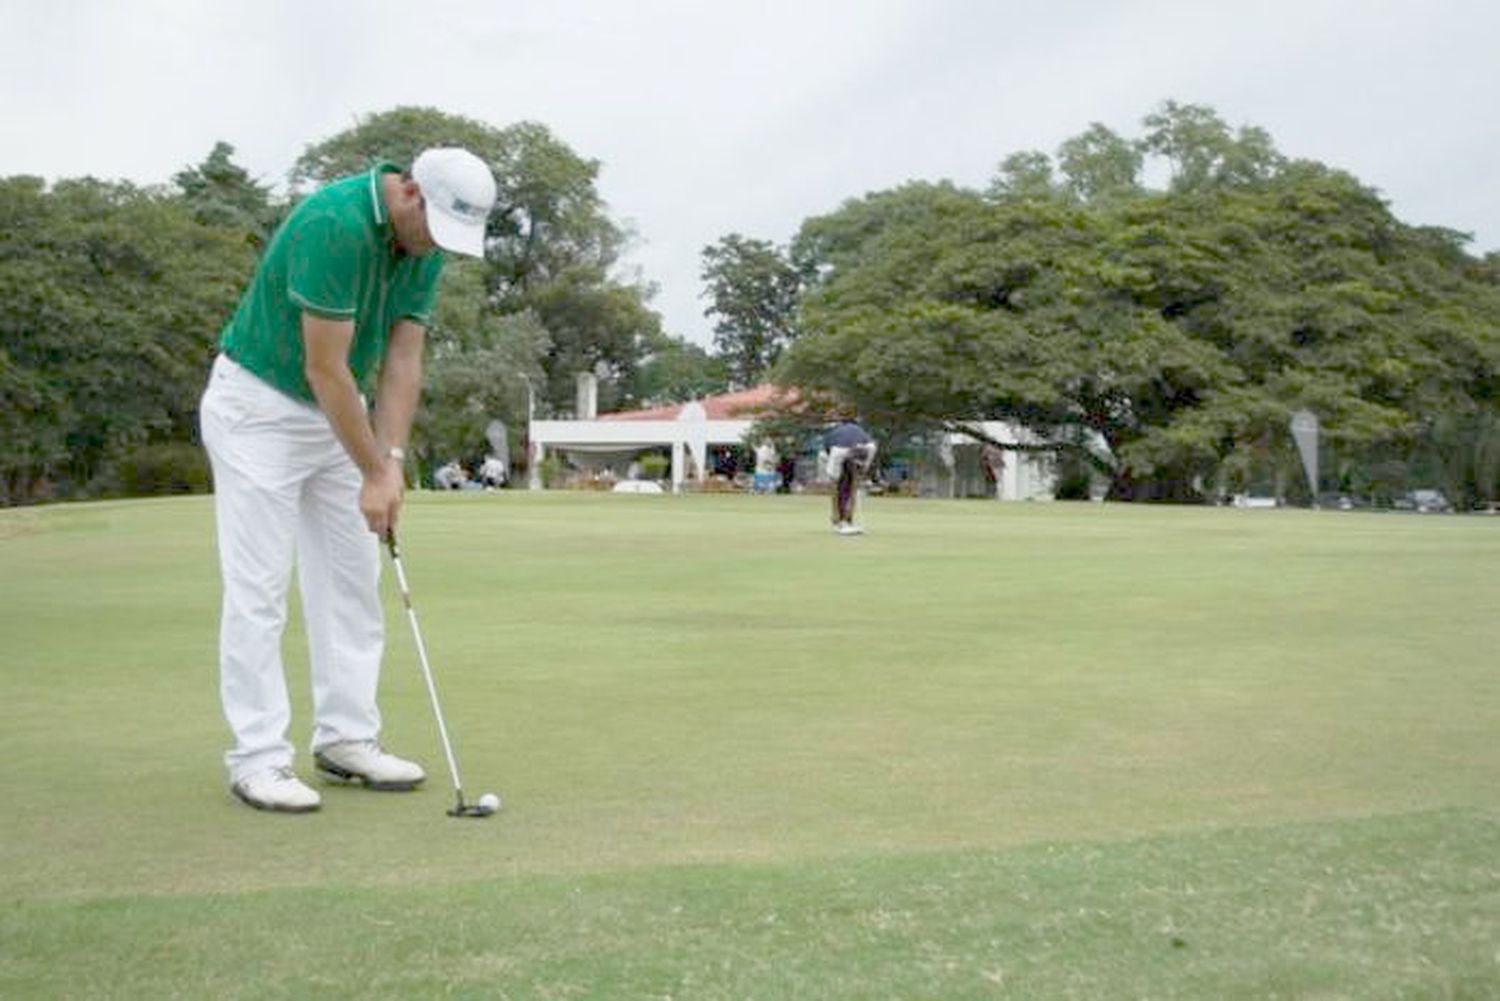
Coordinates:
840 454
284 485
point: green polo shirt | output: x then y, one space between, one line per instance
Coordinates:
335 256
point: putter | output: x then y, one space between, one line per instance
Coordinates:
489 802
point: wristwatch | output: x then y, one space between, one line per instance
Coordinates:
397 453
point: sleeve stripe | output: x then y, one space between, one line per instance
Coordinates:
305 303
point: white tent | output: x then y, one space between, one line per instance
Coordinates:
688 430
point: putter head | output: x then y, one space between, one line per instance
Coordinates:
462 809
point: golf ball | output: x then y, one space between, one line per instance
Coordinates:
490 802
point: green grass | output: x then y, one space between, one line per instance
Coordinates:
987 751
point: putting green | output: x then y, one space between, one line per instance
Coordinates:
721 683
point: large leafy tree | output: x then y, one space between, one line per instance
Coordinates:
482 367
1100 165
1183 327
222 193
1317 296
752 290
397 135
1204 152
596 326
1025 176
675 371
111 299
961 310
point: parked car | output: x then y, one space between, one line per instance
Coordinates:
1339 502
1252 500
1425 501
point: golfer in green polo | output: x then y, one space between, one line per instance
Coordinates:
305 471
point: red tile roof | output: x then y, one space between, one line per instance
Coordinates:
739 405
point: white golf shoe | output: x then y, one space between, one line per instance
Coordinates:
366 762
277 789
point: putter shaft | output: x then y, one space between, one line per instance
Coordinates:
416 631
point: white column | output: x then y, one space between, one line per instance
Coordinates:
1010 477
677 467
697 447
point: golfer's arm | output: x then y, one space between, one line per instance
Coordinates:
400 384
325 348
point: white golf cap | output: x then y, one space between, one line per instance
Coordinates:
460 192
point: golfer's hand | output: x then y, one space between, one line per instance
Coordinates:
380 498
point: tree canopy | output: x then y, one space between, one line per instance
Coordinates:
753 292
114 297
1182 326
111 299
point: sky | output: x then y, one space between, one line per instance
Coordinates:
727 116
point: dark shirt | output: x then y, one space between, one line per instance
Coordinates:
846 435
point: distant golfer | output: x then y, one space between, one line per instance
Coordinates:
338 306
992 463
851 453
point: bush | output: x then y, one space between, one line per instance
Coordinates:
1073 486
165 468
553 472
655 466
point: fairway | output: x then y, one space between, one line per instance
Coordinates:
985 751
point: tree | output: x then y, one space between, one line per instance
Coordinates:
830 244
221 193
596 326
940 309
482 366
111 299
675 371
1183 327
753 290
1204 152
1318 297
397 135
471 385
551 218
1100 165
1025 176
